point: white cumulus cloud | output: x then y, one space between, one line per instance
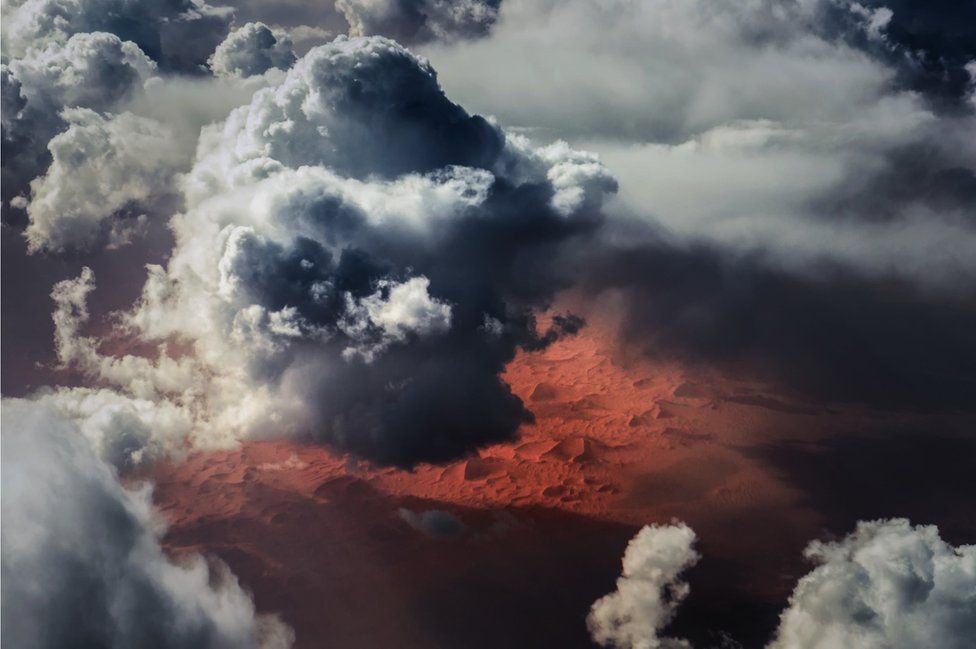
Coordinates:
648 592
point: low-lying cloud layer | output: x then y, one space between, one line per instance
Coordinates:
82 564
797 178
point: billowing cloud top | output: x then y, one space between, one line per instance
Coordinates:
358 106
178 34
85 71
888 584
359 259
252 49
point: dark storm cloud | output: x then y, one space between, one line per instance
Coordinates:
875 472
831 332
359 259
924 177
82 564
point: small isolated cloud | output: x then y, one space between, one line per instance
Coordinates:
648 592
888 585
433 522
82 562
253 48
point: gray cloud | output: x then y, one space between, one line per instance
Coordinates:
418 21
87 71
407 21
779 166
778 127
105 174
659 71
254 48
178 34
82 562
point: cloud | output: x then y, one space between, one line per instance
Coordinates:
347 236
141 376
106 174
888 584
418 21
92 71
104 55
358 106
659 70
253 48
391 315
930 43
833 334
648 592
123 431
178 35
82 561
406 21
789 185
779 127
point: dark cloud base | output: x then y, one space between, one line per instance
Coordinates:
831 334
923 471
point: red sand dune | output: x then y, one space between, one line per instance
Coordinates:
319 537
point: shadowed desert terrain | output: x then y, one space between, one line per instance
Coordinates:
509 547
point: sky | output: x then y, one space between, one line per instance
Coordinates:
707 242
